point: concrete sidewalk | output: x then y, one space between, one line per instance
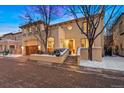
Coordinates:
112 63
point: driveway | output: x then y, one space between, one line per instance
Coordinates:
20 74
113 63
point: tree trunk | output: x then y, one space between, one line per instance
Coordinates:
90 51
46 42
45 47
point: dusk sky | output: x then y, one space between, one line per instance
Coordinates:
10 20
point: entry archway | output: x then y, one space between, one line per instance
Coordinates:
50 44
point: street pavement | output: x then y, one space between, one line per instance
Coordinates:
34 75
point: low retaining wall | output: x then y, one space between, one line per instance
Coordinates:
96 54
49 58
121 53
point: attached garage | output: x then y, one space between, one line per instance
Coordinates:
31 49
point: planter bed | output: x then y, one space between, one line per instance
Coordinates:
50 58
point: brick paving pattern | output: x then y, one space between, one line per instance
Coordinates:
18 74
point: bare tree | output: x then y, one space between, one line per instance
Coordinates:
45 14
93 16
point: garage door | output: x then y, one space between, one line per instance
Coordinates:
31 50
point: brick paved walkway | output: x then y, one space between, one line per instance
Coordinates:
17 74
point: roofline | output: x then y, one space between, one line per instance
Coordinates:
10 34
68 21
17 33
60 23
7 34
32 23
71 20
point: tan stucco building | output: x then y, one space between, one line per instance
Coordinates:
11 42
62 35
118 36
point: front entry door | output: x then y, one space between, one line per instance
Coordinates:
71 46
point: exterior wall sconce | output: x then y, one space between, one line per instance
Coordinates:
39 47
22 47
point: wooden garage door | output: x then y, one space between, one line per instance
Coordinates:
31 50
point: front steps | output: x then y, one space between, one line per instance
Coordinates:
71 60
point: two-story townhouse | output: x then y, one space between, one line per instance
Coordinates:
11 42
118 36
62 35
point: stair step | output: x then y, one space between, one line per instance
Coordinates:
71 60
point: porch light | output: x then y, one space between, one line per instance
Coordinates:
39 47
22 47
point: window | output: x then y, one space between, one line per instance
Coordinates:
24 32
50 45
38 27
30 29
85 27
84 43
50 42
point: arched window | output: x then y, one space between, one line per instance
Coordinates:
84 43
50 42
85 26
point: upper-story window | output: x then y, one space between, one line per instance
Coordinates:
85 27
30 29
84 43
33 28
38 27
24 32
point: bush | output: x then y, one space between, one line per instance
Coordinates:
40 52
57 53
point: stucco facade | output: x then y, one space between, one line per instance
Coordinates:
118 36
11 42
62 35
